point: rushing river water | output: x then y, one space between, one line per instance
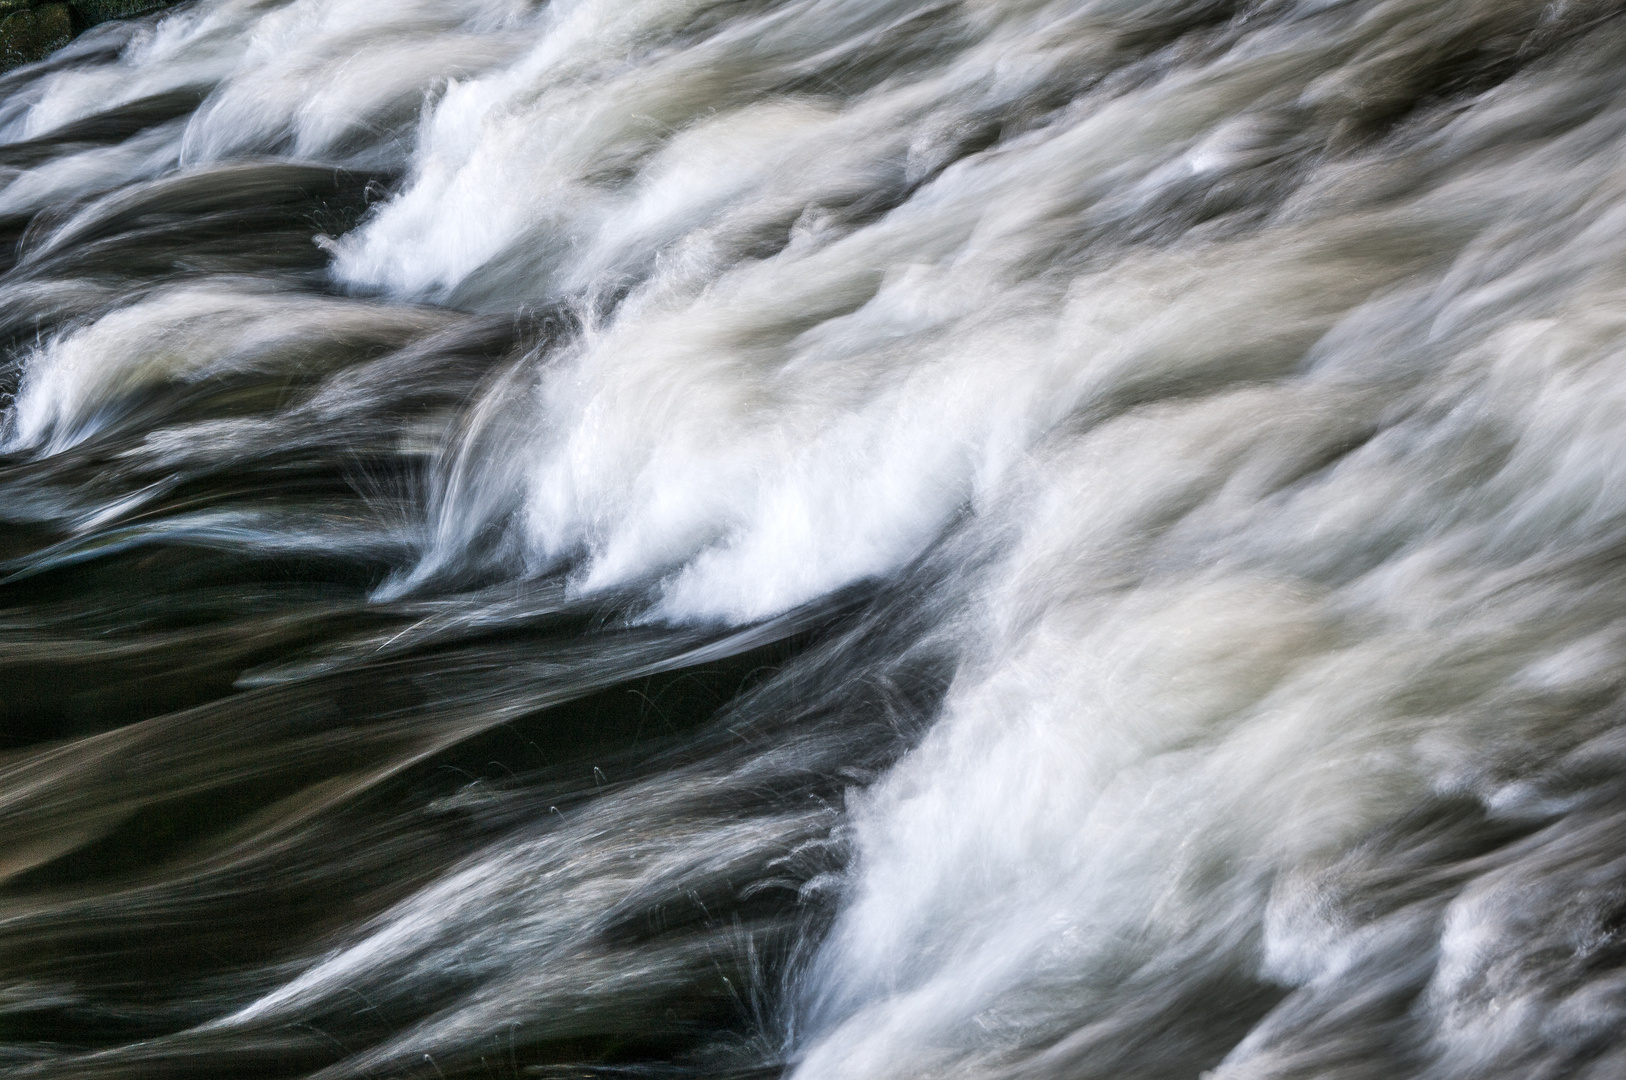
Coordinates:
844 539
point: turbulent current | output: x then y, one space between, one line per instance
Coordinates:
825 539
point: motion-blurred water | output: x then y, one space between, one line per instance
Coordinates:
849 539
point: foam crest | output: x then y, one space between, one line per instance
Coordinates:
79 381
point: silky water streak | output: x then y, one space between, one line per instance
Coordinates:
835 539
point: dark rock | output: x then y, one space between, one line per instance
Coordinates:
91 12
33 33
33 29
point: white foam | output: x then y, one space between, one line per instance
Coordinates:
75 382
1288 505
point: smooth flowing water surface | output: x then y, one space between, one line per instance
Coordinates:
825 539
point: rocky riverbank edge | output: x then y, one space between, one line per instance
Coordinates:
33 29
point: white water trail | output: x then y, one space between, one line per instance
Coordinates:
1280 436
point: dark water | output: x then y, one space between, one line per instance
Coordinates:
827 538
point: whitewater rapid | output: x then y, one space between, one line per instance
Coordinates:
1185 439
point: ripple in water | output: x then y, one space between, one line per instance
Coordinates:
835 539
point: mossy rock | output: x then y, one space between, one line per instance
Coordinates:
34 33
33 29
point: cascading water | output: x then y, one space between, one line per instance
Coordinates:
844 539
